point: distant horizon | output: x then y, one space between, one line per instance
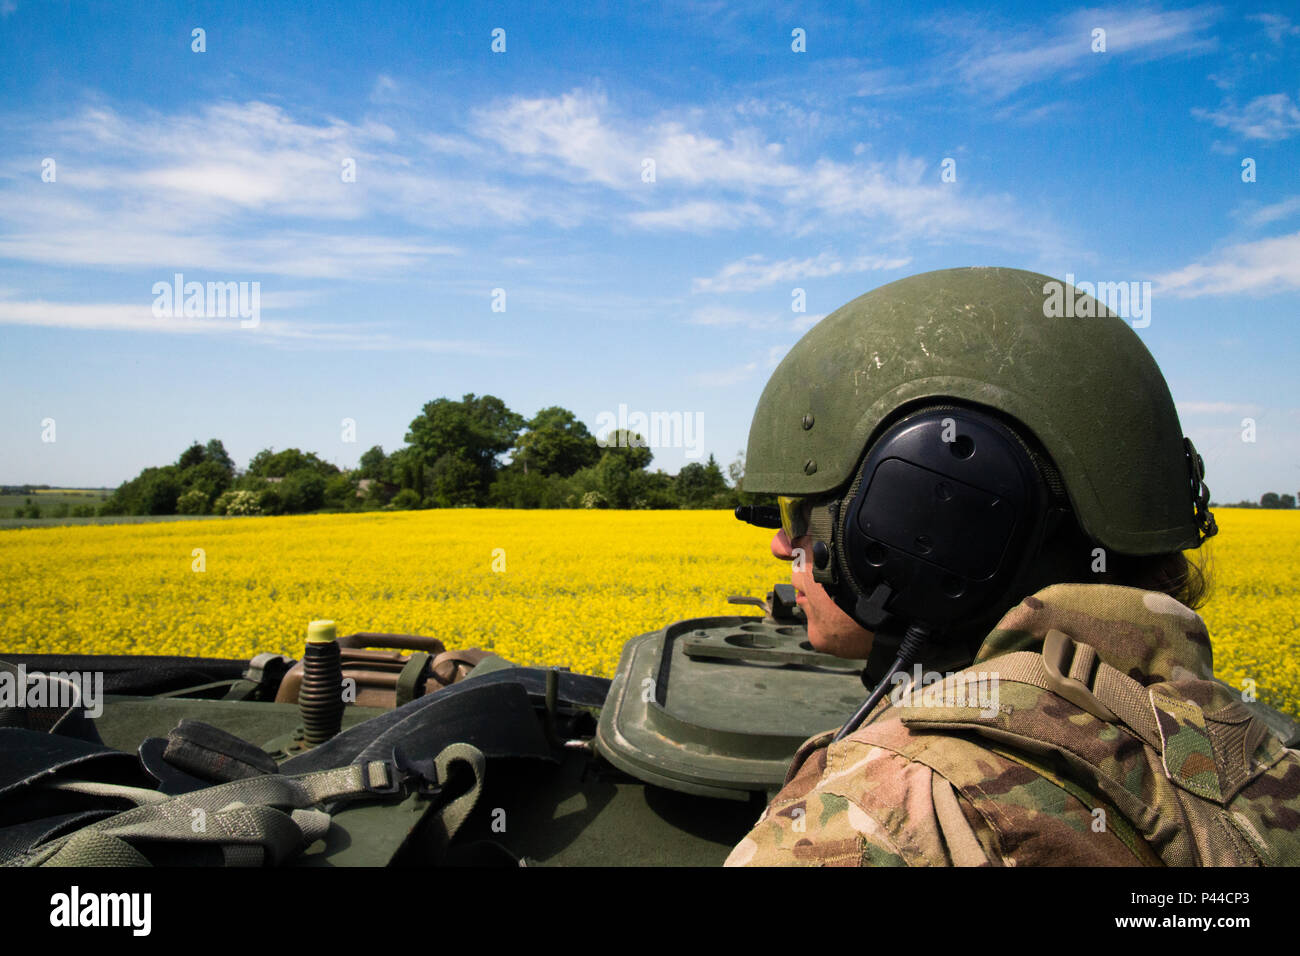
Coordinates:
47 487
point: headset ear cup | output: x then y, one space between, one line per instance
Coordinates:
946 508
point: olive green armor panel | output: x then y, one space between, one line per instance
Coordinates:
1087 388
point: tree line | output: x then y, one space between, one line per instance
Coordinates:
474 452
453 457
1269 499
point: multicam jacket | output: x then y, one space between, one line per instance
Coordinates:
1091 733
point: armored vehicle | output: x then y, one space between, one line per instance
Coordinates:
378 749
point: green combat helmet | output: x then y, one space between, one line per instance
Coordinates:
1087 388
1076 408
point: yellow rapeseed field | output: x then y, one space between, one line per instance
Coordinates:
538 587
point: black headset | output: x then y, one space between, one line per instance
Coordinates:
946 509
940 526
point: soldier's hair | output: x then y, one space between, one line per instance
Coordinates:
1184 579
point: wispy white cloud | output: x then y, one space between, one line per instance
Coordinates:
385 90
702 215
451 144
1263 215
93 241
1260 267
250 188
756 271
1272 117
1216 408
772 320
1277 28
1001 60
245 188
722 315
574 133
777 352
578 137
136 317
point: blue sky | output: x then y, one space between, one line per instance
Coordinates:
522 170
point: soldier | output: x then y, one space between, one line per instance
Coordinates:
966 479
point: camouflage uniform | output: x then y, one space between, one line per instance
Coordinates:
1180 773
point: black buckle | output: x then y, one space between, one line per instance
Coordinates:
421 780
403 776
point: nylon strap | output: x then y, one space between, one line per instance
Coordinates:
238 817
246 835
241 812
457 811
137 795
96 849
963 846
409 677
49 719
1122 694
212 754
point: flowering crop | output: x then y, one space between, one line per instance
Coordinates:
1254 610
569 587
537 587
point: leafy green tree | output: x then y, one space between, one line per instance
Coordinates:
614 480
1287 501
454 481
513 488
208 477
631 446
272 464
191 456
378 494
215 452
452 435
556 443
655 490
192 502
698 485
269 501
1270 500
152 492
302 491
406 468
341 492
405 500
159 491
374 464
